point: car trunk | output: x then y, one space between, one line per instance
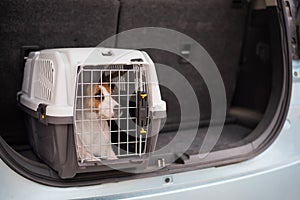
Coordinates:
243 39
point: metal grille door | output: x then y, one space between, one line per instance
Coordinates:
110 112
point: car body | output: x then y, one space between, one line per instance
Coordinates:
269 171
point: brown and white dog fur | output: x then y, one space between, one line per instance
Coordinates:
95 142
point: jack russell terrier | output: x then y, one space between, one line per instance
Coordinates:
95 141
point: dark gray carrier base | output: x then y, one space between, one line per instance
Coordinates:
52 140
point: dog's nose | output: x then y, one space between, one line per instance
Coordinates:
117 111
114 103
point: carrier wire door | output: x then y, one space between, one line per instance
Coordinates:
111 114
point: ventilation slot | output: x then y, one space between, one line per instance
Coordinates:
44 79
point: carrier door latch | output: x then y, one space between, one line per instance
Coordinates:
42 113
142 111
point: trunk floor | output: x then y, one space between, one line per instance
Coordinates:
183 141
26 151
190 141
30 155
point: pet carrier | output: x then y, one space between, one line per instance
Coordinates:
91 109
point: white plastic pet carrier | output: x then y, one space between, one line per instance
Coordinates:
91 109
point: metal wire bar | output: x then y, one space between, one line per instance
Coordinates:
119 114
82 115
127 116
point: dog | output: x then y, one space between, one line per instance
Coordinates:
95 142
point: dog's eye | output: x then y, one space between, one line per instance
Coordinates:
99 96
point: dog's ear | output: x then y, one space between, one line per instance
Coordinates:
112 86
106 79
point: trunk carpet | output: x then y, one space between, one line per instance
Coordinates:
184 140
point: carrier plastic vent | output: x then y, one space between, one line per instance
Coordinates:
43 88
